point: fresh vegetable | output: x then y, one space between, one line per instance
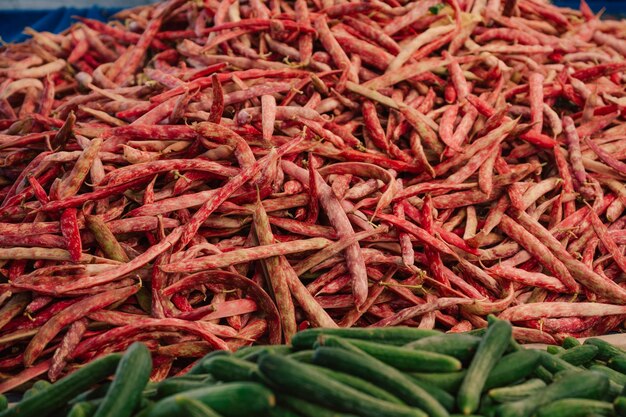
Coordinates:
304 381
131 377
209 175
342 380
58 394
584 385
491 348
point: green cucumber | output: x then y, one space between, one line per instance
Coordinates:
279 411
173 386
543 374
57 396
458 345
83 409
491 348
401 358
517 392
278 349
570 342
554 350
131 377
230 369
360 385
200 377
194 408
307 409
37 387
305 356
4 402
444 398
614 388
236 399
606 350
575 407
613 375
619 405
586 384
554 363
512 368
305 381
247 350
488 407
398 336
463 415
447 381
387 377
197 367
97 393
618 363
579 355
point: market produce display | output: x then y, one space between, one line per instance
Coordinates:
208 175
353 372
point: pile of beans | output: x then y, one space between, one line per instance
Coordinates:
202 175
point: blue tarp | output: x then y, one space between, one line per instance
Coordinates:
13 22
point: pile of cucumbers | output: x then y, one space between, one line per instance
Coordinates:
382 372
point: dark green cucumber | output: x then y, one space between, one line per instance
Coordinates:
586 384
336 341
176 384
83 409
575 407
230 369
360 385
305 381
56 396
554 363
4 402
194 408
488 407
491 348
247 350
305 356
463 415
89 408
446 399
512 368
37 387
458 345
543 374
619 405
401 358
613 375
579 355
200 377
97 393
385 376
614 388
554 350
308 409
278 349
517 392
447 381
197 367
131 377
236 399
388 335
279 411
606 350
618 363
570 342
173 386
